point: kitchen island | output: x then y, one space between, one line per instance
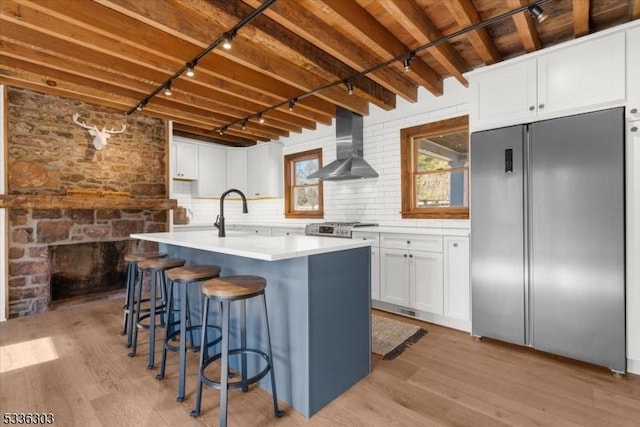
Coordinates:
318 299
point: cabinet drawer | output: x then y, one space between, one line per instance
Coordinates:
257 230
374 238
411 241
286 231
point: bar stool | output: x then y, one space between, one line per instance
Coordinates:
183 277
132 260
157 268
226 290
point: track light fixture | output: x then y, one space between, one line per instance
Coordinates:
292 103
167 88
141 106
260 118
191 69
349 85
222 130
226 40
406 62
537 12
244 124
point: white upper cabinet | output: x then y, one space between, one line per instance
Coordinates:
265 170
185 159
237 170
506 94
212 179
633 73
583 76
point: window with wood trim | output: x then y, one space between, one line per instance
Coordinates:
435 169
303 196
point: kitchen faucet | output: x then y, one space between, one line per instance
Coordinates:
220 219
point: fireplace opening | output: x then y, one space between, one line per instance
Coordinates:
83 269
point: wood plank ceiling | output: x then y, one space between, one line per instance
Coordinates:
116 53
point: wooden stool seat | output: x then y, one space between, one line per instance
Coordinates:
161 263
193 273
141 256
233 286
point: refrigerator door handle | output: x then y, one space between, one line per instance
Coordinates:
508 160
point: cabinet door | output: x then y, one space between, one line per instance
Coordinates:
503 95
394 276
426 281
237 170
583 76
375 273
185 157
212 180
456 277
633 74
265 169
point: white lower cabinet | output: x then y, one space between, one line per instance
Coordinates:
456 277
425 276
412 279
394 276
425 281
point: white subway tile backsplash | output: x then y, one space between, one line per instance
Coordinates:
370 200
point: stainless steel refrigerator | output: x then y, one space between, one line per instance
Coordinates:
547 236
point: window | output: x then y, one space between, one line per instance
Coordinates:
303 196
435 169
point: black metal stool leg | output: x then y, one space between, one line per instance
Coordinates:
278 412
224 379
243 344
127 298
134 325
152 318
132 303
203 352
183 343
165 340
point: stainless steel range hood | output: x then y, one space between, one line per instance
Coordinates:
349 145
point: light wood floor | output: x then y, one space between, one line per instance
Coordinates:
446 378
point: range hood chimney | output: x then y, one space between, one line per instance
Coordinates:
349 145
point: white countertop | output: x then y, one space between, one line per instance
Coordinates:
250 246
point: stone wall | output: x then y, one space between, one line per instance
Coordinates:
49 154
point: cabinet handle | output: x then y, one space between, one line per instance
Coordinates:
531 108
410 256
633 111
455 245
634 129
541 106
405 255
408 242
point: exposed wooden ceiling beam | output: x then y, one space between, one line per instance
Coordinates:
202 22
213 84
414 21
466 15
581 17
634 9
381 41
296 18
525 26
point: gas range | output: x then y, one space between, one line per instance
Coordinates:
334 229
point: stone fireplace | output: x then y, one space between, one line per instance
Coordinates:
37 237
62 192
